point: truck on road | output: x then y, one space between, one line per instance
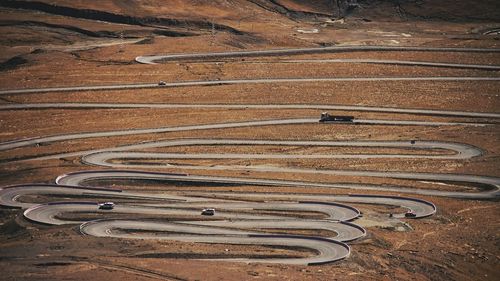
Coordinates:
326 117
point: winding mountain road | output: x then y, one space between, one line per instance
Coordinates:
246 81
58 138
301 51
236 216
398 62
327 250
246 217
445 113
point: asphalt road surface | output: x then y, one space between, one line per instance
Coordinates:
72 185
238 222
445 113
245 217
301 51
327 250
245 81
58 138
397 62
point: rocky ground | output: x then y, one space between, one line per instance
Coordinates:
73 43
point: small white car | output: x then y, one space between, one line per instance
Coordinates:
162 83
106 206
410 214
208 212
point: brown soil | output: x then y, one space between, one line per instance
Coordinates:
42 49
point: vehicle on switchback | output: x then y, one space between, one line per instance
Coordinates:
208 212
410 214
106 206
326 117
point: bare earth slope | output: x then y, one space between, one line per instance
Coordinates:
254 151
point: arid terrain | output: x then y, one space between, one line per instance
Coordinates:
425 126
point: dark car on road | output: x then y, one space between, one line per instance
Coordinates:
208 212
107 206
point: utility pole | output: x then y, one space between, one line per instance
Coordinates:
121 42
213 33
